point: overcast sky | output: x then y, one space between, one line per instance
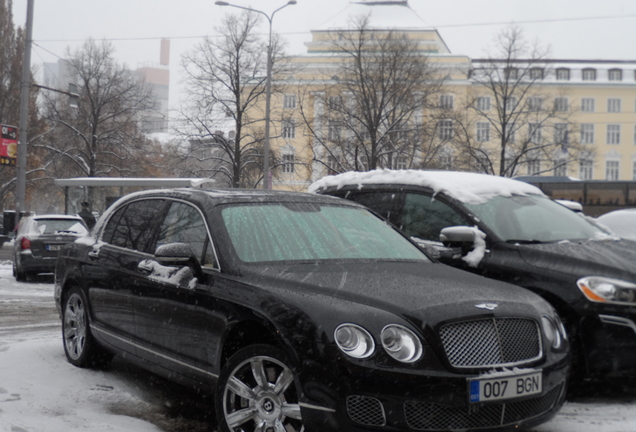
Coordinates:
574 29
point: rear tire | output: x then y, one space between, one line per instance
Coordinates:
80 347
20 275
257 391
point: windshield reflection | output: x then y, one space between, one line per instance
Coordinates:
534 219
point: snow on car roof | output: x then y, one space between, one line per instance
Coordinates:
470 188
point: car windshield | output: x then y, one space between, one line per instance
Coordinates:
52 226
309 232
533 219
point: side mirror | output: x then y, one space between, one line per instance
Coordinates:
456 236
179 255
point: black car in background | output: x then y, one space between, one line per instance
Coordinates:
39 239
306 313
509 230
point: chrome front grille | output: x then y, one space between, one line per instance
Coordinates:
491 342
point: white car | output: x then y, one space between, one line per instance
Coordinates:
621 222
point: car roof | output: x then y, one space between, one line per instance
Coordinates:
55 216
231 196
467 187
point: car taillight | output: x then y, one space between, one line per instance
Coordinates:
25 243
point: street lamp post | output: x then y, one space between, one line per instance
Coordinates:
268 83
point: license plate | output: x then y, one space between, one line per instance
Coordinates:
53 248
505 387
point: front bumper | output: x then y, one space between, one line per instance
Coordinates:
609 339
359 400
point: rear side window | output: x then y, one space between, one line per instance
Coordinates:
383 203
424 217
133 227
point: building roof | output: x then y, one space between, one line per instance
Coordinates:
383 14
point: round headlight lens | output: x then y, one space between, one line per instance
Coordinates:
552 332
606 290
401 343
354 340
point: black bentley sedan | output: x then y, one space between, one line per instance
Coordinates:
509 230
303 312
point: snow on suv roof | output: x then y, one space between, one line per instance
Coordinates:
470 188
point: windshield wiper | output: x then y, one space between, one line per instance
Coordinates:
527 241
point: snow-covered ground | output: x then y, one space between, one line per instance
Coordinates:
41 392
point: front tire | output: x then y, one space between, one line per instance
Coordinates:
80 347
256 391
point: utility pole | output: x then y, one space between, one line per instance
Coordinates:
25 91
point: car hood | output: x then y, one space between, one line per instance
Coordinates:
612 258
434 292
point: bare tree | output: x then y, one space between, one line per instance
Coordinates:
529 123
100 137
226 84
371 115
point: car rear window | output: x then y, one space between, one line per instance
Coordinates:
300 232
53 226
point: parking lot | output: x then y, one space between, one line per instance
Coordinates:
40 391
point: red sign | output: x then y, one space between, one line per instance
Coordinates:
8 145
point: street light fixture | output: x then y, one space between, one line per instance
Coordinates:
268 82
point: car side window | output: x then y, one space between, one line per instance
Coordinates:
184 224
382 203
133 227
424 217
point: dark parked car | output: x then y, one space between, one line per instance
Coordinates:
39 240
306 312
509 230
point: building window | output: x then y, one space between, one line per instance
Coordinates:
446 102
587 133
585 169
563 74
614 105
536 73
588 105
289 129
561 104
560 167
288 163
615 75
483 132
534 166
483 103
561 135
334 130
512 73
535 103
335 103
534 133
445 130
510 103
613 134
612 170
400 163
289 101
332 165
589 74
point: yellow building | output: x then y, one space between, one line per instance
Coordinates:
592 107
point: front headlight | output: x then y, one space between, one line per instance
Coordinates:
354 340
606 290
401 343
